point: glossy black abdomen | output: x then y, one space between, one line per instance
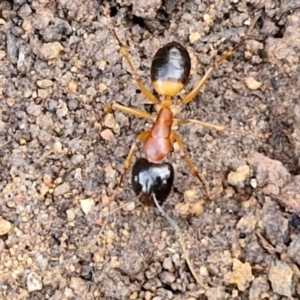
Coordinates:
170 69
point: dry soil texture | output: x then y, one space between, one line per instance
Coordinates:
61 157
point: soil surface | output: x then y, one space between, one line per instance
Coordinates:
62 156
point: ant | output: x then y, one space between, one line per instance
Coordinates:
170 72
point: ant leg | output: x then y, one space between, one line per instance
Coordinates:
203 124
141 138
191 95
175 136
138 79
128 110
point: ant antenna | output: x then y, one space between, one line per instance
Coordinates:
181 242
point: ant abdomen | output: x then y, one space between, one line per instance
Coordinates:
170 69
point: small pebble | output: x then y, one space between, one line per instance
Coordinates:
62 189
34 282
70 214
107 134
10 102
281 278
238 177
194 37
2 54
87 205
5 227
45 83
50 51
109 121
102 87
252 84
72 86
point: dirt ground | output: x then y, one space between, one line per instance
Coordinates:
61 157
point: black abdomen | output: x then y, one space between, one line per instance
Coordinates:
170 69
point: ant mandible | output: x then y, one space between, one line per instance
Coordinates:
170 72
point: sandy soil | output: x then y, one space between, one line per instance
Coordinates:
61 157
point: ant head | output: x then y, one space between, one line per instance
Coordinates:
148 178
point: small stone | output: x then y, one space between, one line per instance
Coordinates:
241 275
133 296
114 262
62 109
102 87
252 84
107 134
34 110
57 147
203 271
70 214
259 286
24 11
10 102
146 9
280 275
27 25
183 209
72 86
109 121
34 282
190 195
148 295
207 19
2 54
238 177
50 51
167 277
102 65
87 205
43 94
77 159
275 225
74 69
270 174
294 250
130 206
167 264
247 223
73 104
194 37
253 183
44 83
5 226
62 189
197 208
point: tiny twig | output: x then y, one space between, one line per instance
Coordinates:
181 242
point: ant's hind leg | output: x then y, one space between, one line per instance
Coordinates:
141 138
175 136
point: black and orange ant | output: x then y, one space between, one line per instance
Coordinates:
170 72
